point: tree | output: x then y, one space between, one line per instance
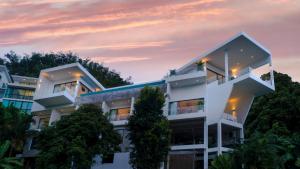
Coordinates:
279 113
73 141
272 129
13 126
8 162
222 162
281 107
149 130
31 65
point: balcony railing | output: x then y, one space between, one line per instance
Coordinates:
187 109
70 91
16 96
229 117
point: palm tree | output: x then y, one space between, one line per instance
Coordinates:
8 162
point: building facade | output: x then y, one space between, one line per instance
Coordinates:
207 101
16 90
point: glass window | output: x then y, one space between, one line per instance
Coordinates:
186 106
70 86
18 93
119 114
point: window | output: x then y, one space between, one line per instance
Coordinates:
70 86
119 114
17 93
108 159
186 106
83 89
22 105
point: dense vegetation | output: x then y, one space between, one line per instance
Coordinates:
149 130
31 65
13 126
73 141
272 131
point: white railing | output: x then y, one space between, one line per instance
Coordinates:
187 109
229 117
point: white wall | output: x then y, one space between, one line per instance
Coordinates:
4 78
187 92
216 99
121 161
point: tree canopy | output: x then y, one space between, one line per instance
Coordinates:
31 65
149 130
73 141
13 126
272 130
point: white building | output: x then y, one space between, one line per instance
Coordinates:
207 101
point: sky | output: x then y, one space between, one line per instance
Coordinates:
145 39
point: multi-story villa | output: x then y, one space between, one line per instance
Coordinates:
207 101
16 90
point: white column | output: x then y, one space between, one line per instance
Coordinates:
219 138
76 88
271 71
132 105
55 116
104 107
205 153
226 66
167 99
242 134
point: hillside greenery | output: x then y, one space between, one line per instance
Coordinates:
272 130
31 65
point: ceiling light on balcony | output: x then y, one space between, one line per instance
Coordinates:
252 56
241 50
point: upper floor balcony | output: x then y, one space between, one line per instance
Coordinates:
61 85
194 75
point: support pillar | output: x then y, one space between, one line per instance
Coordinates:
242 134
226 66
132 105
271 71
205 153
219 138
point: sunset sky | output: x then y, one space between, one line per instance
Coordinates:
144 39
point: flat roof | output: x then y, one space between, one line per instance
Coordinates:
126 87
241 47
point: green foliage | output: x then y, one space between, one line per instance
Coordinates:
13 126
74 140
272 129
8 162
281 107
149 130
33 64
222 162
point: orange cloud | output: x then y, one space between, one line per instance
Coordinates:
124 46
118 59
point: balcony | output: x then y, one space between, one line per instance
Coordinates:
186 109
186 79
58 98
187 134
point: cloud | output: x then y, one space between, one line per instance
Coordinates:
118 59
124 46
